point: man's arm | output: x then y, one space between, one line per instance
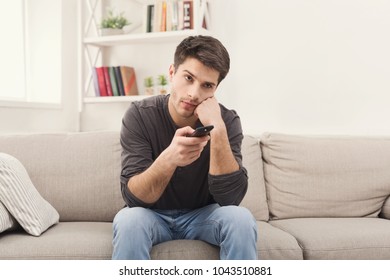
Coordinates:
222 160
149 185
228 180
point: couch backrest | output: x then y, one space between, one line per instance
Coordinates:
255 199
77 173
325 176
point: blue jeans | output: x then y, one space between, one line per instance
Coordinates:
232 228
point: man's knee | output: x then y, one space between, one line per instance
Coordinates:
239 219
237 214
131 219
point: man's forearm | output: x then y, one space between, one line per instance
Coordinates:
149 185
222 160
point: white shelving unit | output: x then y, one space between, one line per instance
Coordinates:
112 99
92 47
155 37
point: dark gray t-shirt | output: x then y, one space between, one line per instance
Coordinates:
148 129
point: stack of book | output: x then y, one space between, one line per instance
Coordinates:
169 15
114 81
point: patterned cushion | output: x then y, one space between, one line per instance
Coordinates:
22 200
7 222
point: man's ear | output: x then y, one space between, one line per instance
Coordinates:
171 72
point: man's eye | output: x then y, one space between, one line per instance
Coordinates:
188 78
208 86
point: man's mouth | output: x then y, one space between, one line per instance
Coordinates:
188 104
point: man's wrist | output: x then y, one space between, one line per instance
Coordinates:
166 160
219 129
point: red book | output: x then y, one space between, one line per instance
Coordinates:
108 81
129 81
101 81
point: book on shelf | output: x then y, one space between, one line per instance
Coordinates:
149 17
170 15
114 85
101 81
129 80
95 81
114 81
107 81
118 76
188 15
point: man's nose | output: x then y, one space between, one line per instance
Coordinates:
194 92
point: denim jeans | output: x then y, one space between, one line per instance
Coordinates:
232 228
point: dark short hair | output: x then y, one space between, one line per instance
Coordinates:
208 50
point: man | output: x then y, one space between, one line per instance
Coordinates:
180 187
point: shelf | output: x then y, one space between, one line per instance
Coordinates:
154 37
113 99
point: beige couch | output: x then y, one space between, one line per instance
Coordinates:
313 197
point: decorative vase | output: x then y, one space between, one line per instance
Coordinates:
162 90
149 91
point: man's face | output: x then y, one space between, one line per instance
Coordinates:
191 84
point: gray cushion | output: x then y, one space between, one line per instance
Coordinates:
276 244
185 250
69 240
325 176
77 173
340 238
255 199
272 244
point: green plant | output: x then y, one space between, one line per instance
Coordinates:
148 82
114 21
162 80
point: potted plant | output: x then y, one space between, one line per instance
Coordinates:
149 84
162 82
113 24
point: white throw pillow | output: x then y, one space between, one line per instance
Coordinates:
21 198
7 222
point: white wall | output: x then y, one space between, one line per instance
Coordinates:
50 118
307 66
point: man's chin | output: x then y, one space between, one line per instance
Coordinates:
189 115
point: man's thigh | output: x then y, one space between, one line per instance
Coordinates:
139 221
209 222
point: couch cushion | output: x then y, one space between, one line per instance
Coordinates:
77 173
255 199
272 244
276 244
340 238
69 240
325 176
185 250
21 198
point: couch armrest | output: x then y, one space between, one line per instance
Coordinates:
385 213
